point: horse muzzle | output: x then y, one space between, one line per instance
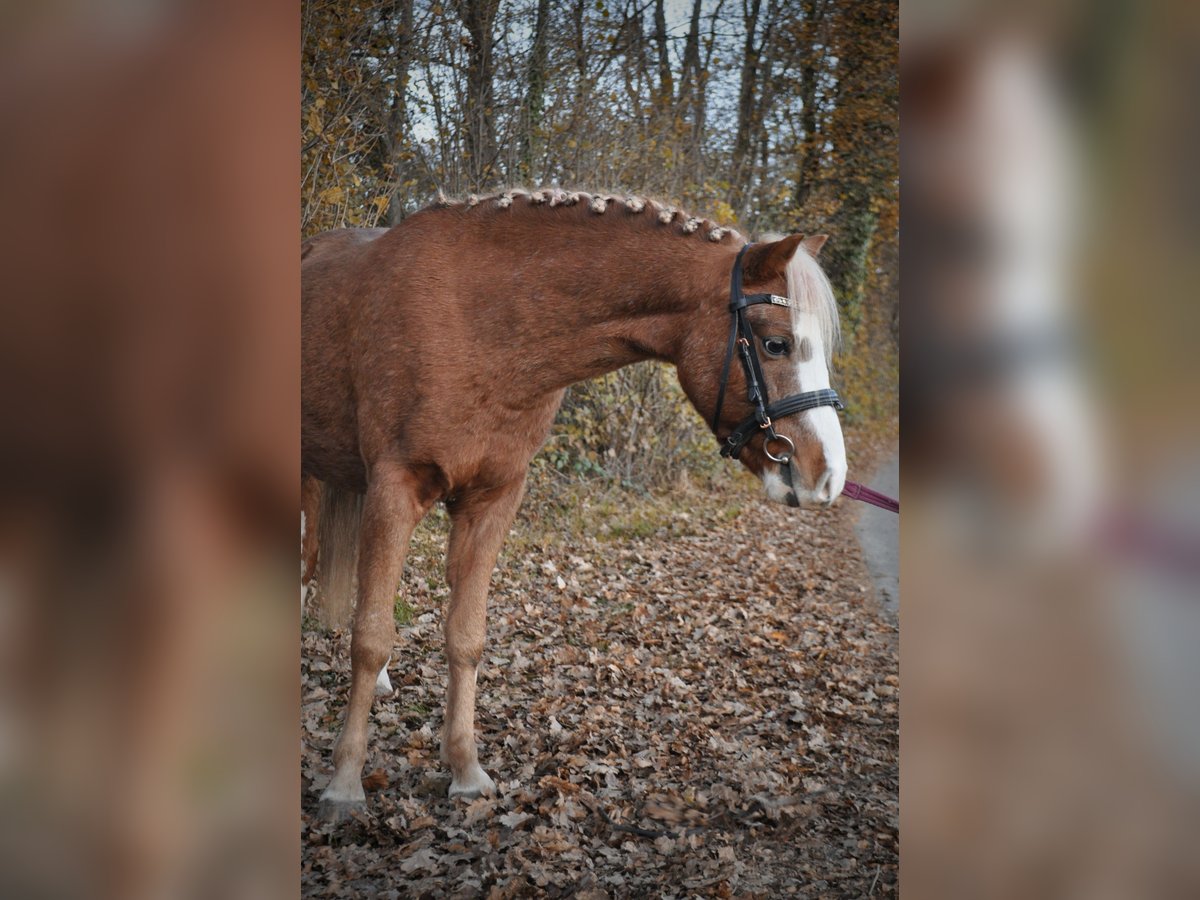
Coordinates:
786 484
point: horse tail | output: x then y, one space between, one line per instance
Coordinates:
310 515
338 522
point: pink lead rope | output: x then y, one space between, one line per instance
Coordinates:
861 492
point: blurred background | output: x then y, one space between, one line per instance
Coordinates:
1051 541
148 464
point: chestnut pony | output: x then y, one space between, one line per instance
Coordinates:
435 355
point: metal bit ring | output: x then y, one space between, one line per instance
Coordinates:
787 454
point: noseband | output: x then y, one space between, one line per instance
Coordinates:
741 336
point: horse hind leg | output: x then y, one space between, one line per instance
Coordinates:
480 523
383 684
391 512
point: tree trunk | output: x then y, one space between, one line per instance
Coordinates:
479 17
744 138
690 68
397 134
810 154
535 93
691 94
666 82
863 132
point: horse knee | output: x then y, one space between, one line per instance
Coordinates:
370 649
464 653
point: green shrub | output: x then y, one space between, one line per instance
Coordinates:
633 427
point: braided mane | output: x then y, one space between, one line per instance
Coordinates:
596 204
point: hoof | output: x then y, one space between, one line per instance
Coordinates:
472 783
337 811
340 800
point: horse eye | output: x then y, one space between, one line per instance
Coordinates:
776 346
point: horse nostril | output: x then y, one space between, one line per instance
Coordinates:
824 489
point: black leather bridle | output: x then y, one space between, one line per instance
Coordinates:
741 336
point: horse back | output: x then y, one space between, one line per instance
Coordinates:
328 242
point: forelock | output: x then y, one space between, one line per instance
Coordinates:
810 291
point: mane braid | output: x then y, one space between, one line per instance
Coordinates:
596 204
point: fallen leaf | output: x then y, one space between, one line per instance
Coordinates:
514 819
376 781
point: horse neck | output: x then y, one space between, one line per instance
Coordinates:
602 304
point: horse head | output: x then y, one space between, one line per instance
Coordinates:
787 338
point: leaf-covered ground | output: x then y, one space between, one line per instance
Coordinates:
693 697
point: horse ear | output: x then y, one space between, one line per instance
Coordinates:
813 243
766 261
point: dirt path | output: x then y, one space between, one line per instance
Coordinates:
879 535
708 710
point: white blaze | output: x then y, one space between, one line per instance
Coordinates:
820 424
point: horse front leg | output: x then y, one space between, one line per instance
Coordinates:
480 523
391 513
